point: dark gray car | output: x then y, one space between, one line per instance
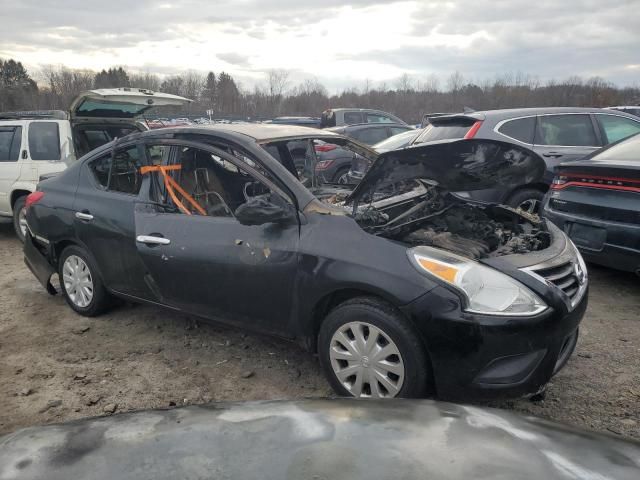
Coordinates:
334 162
336 117
558 134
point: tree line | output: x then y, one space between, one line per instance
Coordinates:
54 87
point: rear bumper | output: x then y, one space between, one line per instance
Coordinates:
620 246
38 264
488 357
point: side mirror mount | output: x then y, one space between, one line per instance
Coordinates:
265 209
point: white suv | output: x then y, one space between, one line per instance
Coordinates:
33 144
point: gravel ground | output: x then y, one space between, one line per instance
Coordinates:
58 366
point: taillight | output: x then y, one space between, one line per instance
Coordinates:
327 147
32 198
473 130
594 181
324 164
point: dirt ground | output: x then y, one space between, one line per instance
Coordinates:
57 366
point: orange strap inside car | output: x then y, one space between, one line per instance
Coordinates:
172 187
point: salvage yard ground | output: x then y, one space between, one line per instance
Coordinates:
57 366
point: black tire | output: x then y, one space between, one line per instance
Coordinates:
17 208
101 300
417 372
341 171
524 196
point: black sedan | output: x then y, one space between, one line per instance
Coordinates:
400 287
597 202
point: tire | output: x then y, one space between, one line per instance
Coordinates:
75 257
342 171
528 199
411 372
19 221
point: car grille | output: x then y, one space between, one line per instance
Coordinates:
562 276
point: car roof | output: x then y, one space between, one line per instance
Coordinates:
501 114
259 132
358 126
346 109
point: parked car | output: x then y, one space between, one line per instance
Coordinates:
630 109
337 117
400 287
334 163
321 439
596 201
39 143
558 134
360 164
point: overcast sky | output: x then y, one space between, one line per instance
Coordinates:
341 44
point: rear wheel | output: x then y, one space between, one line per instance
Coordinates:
528 200
20 218
368 350
81 285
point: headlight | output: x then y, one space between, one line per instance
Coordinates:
487 291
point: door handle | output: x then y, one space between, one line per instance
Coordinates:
552 154
84 216
151 240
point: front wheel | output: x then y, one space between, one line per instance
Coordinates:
528 200
80 283
20 218
368 350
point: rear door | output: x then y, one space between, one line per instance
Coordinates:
565 137
10 152
104 204
205 261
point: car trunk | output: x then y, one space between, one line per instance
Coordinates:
99 116
603 190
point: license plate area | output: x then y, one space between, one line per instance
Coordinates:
587 237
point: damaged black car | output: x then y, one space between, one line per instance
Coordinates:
401 287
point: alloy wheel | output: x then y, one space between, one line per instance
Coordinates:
78 282
366 361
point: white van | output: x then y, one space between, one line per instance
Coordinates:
33 144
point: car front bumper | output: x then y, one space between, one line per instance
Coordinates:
484 357
611 244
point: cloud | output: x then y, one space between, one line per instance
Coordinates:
234 58
341 43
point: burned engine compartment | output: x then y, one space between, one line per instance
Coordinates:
428 215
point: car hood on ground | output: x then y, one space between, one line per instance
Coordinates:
456 165
347 439
121 102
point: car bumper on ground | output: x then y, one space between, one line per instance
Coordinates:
38 263
485 357
612 244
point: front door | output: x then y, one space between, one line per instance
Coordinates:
199 258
